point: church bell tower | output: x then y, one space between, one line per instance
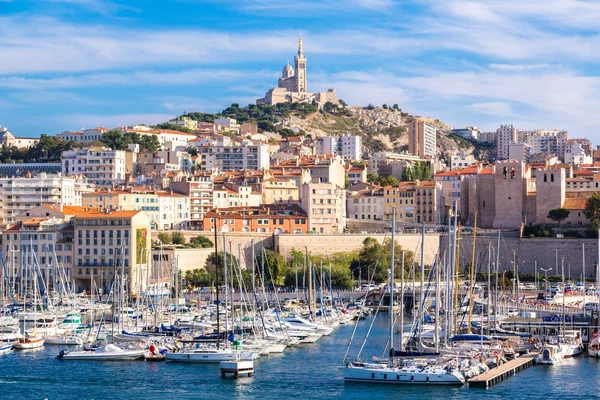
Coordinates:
300 62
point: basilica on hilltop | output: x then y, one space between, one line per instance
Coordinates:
292 85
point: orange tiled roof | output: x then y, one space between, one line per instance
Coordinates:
574 204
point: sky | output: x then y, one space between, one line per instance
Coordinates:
72 64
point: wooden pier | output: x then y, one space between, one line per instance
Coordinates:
503 372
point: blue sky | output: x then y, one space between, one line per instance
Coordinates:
68 64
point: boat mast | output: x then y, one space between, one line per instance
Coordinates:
391 283
456 265
401 300
489 284
217 284
421 289
472 277
225 287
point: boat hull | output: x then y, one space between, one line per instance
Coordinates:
394 375
200 357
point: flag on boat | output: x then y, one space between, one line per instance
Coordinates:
231 337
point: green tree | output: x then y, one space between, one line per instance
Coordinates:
392 181
173 127
177 238
201 242
371 177
558 214
385 106
164 238
198 278
592 210
374 260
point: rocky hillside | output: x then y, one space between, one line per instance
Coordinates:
381 129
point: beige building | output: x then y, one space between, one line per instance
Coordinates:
415 202
325 205
279 190
365 205
231 195
107 242
421 138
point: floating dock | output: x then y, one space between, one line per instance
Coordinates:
237 368
503 372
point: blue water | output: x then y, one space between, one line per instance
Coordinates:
305 372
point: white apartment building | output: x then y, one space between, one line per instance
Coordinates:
347 146
575 154
461 160
246 154
505 135
19 194
235 196
101 166
551 142
470 132
325 205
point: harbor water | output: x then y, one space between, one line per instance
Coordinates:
303 372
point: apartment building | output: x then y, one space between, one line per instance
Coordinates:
99 165
415 202
166 210
279 190
234 155
105 243
325 205
347 146
267 218
199 189
41 243
19 194
505 135
365 205
421 138
357 174
461 160
232 195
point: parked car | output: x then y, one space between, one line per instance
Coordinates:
513 312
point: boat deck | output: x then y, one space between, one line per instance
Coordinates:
503 372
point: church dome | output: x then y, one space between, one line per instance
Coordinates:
287 71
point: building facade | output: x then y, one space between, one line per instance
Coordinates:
325 205
99 165
505 135
421 138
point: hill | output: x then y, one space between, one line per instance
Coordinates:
382 129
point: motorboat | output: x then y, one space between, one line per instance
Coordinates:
209 355
68 340
110 352
71 321
300 323
594 345
6 347
550 354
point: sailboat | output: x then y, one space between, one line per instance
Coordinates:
33 340
416 371
594 345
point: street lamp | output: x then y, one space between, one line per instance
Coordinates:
545 270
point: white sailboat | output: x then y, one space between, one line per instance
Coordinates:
209 355
410 371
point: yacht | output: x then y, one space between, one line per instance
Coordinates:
299 323
110 352
550 354
414 373
209 355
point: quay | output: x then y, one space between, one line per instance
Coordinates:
503 372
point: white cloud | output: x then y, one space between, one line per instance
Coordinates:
77 121
497 108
